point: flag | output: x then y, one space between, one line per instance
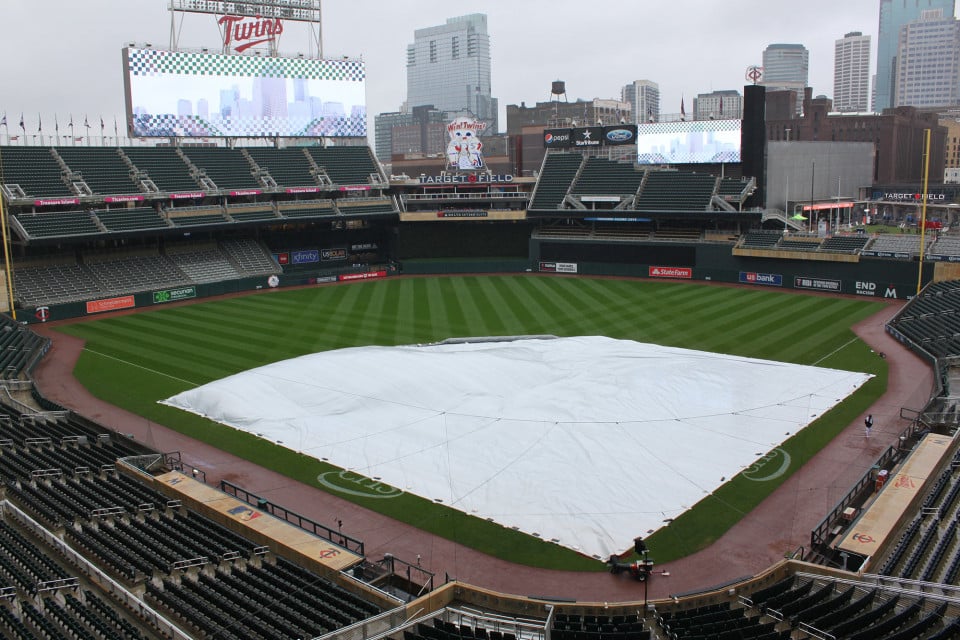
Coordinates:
22 126
86 122
71 124
3 121
116 133
101 124
56 124
683 111
39 124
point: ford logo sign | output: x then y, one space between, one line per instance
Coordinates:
619 135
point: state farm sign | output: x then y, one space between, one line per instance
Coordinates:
243 32
670 272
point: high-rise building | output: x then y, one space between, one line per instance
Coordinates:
644 99
851 73
928 62
786 66
448 66
726 104
421 130
894 14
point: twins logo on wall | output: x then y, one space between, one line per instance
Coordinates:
463 149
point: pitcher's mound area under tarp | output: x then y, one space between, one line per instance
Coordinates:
588 441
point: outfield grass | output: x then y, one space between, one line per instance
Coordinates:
133 361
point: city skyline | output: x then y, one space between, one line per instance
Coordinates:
526 55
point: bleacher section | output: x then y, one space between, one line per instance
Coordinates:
761 239
946 247
732 189
53 283
102 168
345 165
228 168
132 219
893 245
366 207
250 257
932 320
559 171
602 177
135 273
844 244
288 167
676 191
203 264
164 167
57 224
307 209
36 171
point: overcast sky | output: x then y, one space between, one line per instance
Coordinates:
63 56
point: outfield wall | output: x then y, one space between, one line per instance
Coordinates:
870 277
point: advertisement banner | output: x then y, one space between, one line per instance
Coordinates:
246 192
752 277
304 256
463 213
588 137
817 284
173 295
558 267
123 199
347 277
557 138
302 190
55 201
282 258
619 135
670 272
111 304
186 196
333 254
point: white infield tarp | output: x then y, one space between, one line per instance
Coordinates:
589 441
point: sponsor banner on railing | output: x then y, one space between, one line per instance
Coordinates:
302 190
246 192
558 267
322 280
172 295
670 272
189 195
346 277
304 256
111 304
355 187
333 254
123 199
817 284
752 277
45 202
463 213
282 258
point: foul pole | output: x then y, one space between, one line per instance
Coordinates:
923 204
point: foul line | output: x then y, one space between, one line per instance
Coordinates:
138 366
841 347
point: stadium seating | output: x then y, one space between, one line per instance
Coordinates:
251 213
732 189
228 168
761 239
203 263
365 207
136 273
945 246
844 244
558 173
799 243
102 168
165 168
57 224
676 191
600 176
288 167
35 170
345 165
132 219
906 244
250 257
306 209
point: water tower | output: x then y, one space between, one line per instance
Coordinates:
558 88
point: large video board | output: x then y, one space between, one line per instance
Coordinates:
701 141
184 94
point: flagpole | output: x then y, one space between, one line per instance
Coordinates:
6 251
923 203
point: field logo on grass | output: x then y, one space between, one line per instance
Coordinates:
768 467
357 485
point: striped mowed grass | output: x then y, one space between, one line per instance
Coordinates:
135 360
